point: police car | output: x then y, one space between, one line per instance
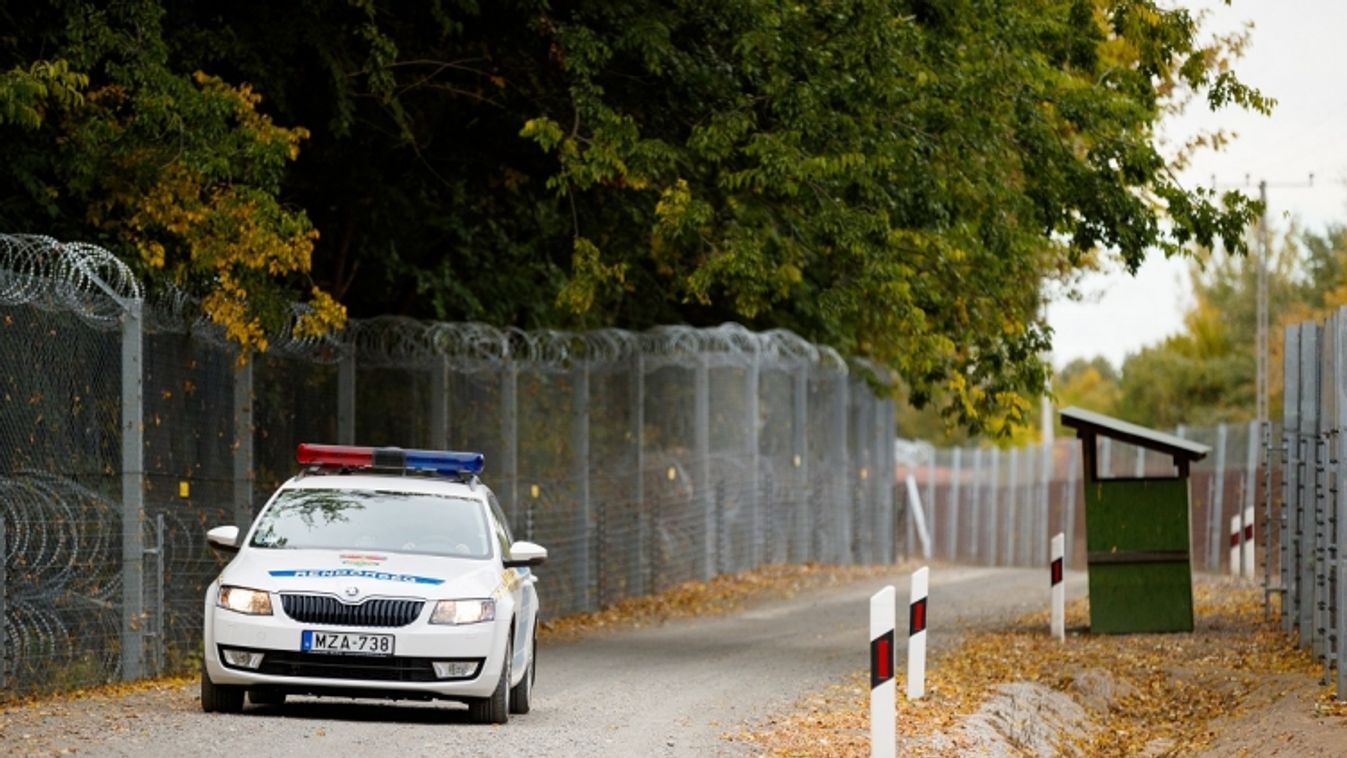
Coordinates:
376 572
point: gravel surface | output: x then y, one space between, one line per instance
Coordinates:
671 690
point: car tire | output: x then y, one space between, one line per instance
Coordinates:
266 697
219 698
495 709
521 695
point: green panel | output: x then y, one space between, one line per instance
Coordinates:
1141 597
1136 515
1146 517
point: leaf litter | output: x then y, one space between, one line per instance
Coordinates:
1145 694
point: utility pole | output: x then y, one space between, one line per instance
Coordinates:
1261 343
1261 378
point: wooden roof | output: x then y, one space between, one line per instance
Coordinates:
1089 423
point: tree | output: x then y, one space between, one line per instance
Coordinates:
892 179
896 178
1206 373
179 172
1089 384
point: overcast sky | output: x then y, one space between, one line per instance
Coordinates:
1296 57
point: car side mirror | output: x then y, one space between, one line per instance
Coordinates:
224 538
525 554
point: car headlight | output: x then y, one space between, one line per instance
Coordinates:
244 600
463 611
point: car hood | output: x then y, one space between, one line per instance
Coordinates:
358 574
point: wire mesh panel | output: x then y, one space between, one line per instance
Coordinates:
189 441
60 456
640 460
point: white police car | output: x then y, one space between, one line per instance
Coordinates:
378 572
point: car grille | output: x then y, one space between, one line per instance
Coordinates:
362 667
324 609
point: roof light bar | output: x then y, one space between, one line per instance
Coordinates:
346 456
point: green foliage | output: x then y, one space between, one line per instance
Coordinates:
176 171
1092 385
1206 373
26 95
896 178
892 180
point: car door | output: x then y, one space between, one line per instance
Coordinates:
525 596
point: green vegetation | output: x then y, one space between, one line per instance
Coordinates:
896 178
1206 373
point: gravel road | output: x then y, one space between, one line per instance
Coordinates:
672 690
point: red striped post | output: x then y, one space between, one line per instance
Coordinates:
1236 532
916 634
1058 587
883 690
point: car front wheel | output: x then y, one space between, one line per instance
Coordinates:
219 698
495 709
521 695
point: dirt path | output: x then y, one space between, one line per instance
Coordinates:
672 690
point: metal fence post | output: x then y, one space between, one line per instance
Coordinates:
509 437
799 435
1309 420
589 534
1290 484
842 468
1216 508
133 492
1250 490
346 398
637 432
952 497
439 403
928 502
1338 505
702 441
1322 464
1012 507
4 607
243 444
884 462
975 503
751 391
155 629
993 506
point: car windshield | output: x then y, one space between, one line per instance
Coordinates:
400 522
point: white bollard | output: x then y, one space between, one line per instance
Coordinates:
1246 562
916 634
1235 531
1058 624
883 690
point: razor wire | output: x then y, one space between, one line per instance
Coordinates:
642 459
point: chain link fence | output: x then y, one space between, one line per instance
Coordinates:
129 426
1312 575
998 507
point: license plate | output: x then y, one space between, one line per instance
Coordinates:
346 643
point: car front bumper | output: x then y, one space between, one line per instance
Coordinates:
407 673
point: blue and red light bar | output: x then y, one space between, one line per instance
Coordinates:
444 462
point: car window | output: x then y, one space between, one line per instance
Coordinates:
503 534
400 522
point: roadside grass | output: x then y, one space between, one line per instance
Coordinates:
1166 687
